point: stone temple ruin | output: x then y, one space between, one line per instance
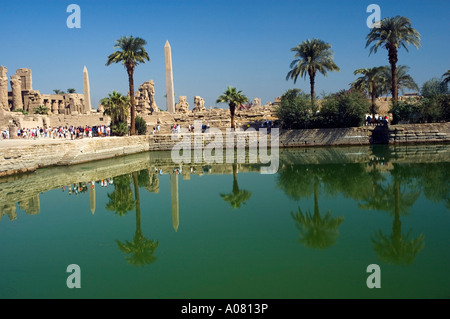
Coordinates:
18 105
23 97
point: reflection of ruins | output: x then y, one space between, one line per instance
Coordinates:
23 191
174 200
23 97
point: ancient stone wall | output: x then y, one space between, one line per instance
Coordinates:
419 133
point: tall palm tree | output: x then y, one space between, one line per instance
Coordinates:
371 80
131 52
404 80
392 34
116 106
446 77
234 98
238 196
311 56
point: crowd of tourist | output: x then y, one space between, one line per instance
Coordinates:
60 132
377 120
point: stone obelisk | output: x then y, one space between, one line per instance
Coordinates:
169 79
87 93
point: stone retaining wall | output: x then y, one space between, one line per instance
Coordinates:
419 133
23 156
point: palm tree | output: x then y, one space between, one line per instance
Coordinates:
57 91
234 98
131 52
141 248
370 81
237 197
393 33
71 90
446 77
311 56
404 80
116 106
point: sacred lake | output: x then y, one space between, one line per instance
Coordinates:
141 226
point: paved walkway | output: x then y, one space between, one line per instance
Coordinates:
21 142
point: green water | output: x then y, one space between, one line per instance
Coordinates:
227 231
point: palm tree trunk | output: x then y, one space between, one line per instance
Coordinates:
138 203
235 182
232 112
316 197
372 95
393 58
397 225
133 102
311 82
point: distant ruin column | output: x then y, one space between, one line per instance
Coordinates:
16 87
87 92
170 95
4 88
54 107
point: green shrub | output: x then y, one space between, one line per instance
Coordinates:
431 109
41 109
295 110
140 125
21 111
343 109
119 129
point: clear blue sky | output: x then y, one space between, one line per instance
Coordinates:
241 43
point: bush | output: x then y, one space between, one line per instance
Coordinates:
119 129
405 111
295 110
140 125
433 88
444 102
343 109
21 111
431 109
41 110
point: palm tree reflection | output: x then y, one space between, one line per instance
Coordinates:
121 199
238 196
398 248
317 231
140 249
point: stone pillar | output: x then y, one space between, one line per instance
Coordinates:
16 87
13 130
54 107
26 79
61 107
87 92
4 88
170 97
